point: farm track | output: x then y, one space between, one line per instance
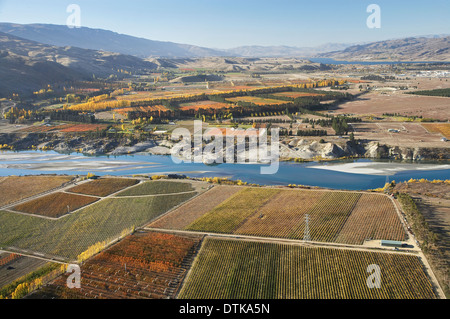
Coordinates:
297 242
34 255
152 195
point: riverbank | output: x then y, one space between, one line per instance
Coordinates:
308 174
298 150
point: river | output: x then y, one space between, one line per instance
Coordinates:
344 174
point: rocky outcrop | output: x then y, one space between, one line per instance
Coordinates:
295 148
139 147
375 150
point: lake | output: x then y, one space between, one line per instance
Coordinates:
344 174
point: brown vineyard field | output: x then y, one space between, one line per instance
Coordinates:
103 187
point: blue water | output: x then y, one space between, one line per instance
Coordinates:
288 173
332 61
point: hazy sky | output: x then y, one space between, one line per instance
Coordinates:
231 23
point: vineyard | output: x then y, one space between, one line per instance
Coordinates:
145 96
159 265
8 258
443 129
295 95
229 215
84 128
14 188
222 87
45 128
155 108
103 187
256 100
373 217
344 217
65 128
204 105
280 217
67 237
235 93
184 215
157 187
144 265
55 205
232 269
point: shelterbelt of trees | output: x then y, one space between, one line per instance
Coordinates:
108 102
240 110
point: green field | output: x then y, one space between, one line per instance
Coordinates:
157 187
69 236
236 269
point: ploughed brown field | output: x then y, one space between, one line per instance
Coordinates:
404 104
409 134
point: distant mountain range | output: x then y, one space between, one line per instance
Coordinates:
430 48
28 65
32 56
97 39
240 64
284 51
425 48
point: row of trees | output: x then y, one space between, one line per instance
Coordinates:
72 116
171 102
329 122
16 115
312 133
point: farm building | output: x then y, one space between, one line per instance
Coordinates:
391 243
